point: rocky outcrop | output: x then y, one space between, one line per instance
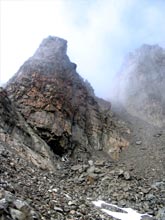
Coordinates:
141 84
17 135
60 107
12 208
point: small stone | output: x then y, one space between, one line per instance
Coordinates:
2 192
12 164
99 163
147 217
91 170
90 162
145 190
3 204
20 204
9 196
72 212
76 167
120 172
52 190
127 175
150 197
97 170
58 209
138 142
72 203
158 135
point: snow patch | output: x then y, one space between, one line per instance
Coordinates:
121 213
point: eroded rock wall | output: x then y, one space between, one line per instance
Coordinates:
60 106
17 135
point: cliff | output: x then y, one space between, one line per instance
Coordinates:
61 107
17 136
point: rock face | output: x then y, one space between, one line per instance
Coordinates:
60 106
141 84
16 135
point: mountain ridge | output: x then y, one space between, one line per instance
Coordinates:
140 84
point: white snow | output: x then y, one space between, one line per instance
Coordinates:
128 214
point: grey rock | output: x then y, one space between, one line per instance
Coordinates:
161 214
99 163
127 175
91 169
147 217
21 205
76 167
9 197
17 215
58 209
138 142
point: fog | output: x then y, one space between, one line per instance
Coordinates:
100 33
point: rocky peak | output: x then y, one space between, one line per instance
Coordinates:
49 59
60 106
141 84
50 48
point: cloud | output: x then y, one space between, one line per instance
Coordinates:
99 32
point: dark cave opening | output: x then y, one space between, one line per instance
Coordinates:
56 147
58 144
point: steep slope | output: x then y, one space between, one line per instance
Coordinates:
140 101
61 107
145 155
141 84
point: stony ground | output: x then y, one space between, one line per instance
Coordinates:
146 152
68 193
137 181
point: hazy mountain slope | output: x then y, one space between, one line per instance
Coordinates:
139 100
141 84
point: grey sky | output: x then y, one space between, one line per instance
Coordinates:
99 32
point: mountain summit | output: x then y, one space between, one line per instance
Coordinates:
141 84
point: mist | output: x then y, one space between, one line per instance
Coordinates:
100 33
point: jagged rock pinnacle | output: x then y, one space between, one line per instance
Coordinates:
50 48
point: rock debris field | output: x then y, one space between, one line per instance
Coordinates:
30 193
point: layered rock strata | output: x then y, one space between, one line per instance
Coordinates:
19 137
